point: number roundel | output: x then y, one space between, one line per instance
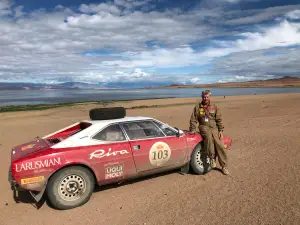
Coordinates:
159 154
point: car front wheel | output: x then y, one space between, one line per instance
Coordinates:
70 187
200 161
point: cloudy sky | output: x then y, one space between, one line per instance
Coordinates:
148 41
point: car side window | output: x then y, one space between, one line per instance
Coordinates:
167 130
142 130
111 133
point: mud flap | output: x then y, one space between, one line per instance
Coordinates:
185 169
38 197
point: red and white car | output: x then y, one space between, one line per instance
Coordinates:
68 163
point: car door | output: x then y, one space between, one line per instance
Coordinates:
110 155
151 148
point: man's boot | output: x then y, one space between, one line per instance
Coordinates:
225 170
213 163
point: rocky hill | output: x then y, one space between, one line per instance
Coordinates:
286 81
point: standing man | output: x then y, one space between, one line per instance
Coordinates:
211 127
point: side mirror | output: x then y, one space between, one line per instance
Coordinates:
179 132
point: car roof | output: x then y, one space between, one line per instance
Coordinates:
99 124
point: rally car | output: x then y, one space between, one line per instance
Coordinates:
109 148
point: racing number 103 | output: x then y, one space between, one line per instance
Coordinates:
161 154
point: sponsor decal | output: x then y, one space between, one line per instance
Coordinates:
212 110
201 111
102 153
39 164
43 170
32 180
27 147
159 154
191 139
114 171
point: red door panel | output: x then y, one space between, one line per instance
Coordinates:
157 153
112 162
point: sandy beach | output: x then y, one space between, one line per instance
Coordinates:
263 187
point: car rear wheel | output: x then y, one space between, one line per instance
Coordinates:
200 161
70 187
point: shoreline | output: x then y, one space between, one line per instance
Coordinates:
41 107
44 100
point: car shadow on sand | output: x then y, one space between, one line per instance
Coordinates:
134 180
25 197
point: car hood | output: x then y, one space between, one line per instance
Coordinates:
28 148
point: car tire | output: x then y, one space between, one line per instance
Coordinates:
200 162
70 187
107 113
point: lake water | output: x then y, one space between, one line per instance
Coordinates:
33 97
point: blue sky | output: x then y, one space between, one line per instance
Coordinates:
148 41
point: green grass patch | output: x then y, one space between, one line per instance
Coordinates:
18 108
161 106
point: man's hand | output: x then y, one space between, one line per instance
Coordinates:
220 135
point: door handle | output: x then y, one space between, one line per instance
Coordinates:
136 147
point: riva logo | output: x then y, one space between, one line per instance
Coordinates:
102 153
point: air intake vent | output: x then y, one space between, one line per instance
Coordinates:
53 140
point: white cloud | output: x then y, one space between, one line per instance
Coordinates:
5 7
294 14
195 80
257 64
102 7
129 4
160 58
19 11
47 45
281 35
238 78
236 1
257 15
135 75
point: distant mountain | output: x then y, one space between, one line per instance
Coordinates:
286 81
31 86
76 85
